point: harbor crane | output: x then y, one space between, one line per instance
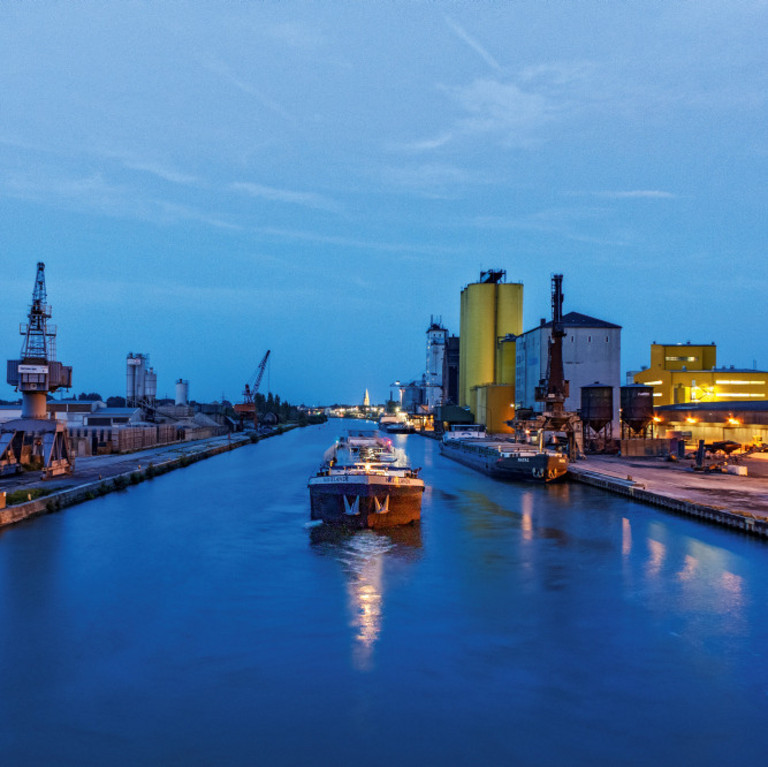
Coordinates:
247 408
35 440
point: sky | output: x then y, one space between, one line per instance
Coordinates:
208 180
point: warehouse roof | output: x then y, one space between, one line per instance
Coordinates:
578 320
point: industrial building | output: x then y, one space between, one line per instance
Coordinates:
437 337
742 422
491 318
425 394
140 380
688 373
451 370
591 356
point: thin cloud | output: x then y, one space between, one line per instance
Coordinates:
307 199
406 250
657 194
425 145
472 43
433 180
167 174
222 70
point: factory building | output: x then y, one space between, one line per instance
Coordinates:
451 370
591 355
437 337
491 317
141 380
424 394
742 422
688 373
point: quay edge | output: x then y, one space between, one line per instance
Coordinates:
743 521
61 499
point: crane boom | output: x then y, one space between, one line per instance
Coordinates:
260 374
248 407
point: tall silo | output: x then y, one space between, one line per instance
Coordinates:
490 310
637 408
596 415
132 363
150 385
182 392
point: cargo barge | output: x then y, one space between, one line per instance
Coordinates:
505 460
365 482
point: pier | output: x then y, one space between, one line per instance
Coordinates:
727 499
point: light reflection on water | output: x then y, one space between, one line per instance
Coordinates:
363 555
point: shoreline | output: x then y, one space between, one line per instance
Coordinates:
728 500
113 477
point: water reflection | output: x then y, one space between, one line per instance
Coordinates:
657 552
526 505
626 537
363 555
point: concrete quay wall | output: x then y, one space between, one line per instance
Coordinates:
119 481
744 521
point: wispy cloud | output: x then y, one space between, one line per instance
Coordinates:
513 114
295 35
155 169
219 68
407 250
307 199
657 194
425 144
173 212
472 43
514 110
568 223
39 185
505 109
95 193
433 180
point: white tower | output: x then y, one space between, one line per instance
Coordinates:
436 342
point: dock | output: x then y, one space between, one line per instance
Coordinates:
98 475
739 502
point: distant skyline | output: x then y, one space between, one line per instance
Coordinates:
207 181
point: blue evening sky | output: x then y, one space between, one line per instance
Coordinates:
207 180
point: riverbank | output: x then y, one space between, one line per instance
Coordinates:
731 500
99 475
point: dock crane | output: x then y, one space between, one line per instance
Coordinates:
248 406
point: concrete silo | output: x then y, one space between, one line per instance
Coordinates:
491 312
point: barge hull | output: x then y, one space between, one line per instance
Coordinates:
364 505
534 468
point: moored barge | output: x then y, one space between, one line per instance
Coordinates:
506 460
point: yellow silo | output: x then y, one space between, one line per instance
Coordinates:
490 310
506 353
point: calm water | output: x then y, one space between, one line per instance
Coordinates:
197 620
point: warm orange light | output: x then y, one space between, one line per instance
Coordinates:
656 419
690 420
733 421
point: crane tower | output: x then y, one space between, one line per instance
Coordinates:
34 439
248 405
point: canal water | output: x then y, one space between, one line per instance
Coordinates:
196 619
